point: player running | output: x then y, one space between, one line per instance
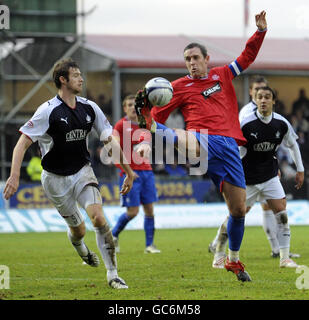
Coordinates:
208 103
265 130
61 126
126 131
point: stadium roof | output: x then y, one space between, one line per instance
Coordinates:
157 51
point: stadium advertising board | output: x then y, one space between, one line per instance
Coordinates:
167 217
32 196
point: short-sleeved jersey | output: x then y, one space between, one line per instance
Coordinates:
263 139
210 102
62 133
130 135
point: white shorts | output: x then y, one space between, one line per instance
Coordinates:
271 189
65 192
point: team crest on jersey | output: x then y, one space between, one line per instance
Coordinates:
88 119
208 92
215 77
277 134
30 124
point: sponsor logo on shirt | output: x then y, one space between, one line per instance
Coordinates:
189 84
64 120
264 146
208 92
254 134
76 135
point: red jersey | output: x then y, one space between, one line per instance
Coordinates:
210 102
130 135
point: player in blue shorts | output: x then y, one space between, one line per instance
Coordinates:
144 189
207 100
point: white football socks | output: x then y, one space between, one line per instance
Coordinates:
270 227
106 246
284 234
221 237
78 244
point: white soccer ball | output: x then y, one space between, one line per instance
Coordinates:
159 91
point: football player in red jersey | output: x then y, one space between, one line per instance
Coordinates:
208 102
128 133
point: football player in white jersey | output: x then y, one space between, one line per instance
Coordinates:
61 126
265 130
270 224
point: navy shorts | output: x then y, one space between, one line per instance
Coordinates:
143 190
224 163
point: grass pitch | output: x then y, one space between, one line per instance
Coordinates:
44 266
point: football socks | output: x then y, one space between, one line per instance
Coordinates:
78 244
270 227
106 246
149 230
235 231
120 225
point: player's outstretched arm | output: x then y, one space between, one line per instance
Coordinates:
12 183
260 20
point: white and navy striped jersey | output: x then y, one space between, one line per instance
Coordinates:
263 139
62 133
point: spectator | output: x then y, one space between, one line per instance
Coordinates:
280 106
301 103
34 168
106 106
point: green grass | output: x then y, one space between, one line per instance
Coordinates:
44 266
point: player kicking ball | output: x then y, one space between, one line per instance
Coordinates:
265 130
208 102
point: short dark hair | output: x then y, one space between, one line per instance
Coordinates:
196 45
61 69
128 97
257 79
267 88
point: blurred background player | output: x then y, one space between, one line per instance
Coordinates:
126 131
61 126
270 224
265 130
209 105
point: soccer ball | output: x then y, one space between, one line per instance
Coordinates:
159 91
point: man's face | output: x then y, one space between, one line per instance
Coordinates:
75 83
254 89
129 109
265 102
196 64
